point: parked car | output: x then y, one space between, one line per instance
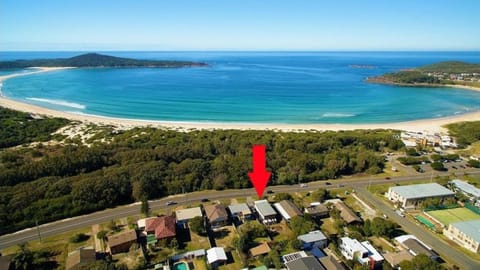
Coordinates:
269 191
303 185
328 183
204 200
171 203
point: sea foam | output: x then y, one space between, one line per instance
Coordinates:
59 102
337 115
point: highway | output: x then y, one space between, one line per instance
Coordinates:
358 183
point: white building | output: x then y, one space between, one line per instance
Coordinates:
216 256
412 195
364 252
265 212
470 190
465 233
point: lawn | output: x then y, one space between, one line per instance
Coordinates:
449 216
224 236
58 244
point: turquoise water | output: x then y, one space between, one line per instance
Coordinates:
261 87
180 266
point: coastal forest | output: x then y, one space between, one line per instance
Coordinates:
62 177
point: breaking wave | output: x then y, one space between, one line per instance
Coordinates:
60 102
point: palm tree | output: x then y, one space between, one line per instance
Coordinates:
23 259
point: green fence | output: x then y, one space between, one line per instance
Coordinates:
425 221
473 208
441 207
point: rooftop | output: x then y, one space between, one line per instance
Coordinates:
354 245
240 208
215 211
264 208
305 263
331 264
346 213
294 256
395 258
261 249
372 252
188 213
422 191
311 237
121 238
319 209
287 209
79 256
216 254
470 228
466 187
417 248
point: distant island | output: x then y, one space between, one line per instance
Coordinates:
449 73
97 60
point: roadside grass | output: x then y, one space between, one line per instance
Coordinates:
58 244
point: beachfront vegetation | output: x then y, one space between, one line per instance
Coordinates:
50 182
95 60
452 67
19 128
410 77
465 133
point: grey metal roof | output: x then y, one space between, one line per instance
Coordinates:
466 187
305 263
264 207
239 208
312 237
422 191
470 228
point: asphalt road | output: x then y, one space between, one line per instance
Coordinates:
441 247
79 222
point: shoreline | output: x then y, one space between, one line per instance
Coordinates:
430 125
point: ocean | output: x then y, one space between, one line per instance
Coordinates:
247 87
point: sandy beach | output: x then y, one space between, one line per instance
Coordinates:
430 125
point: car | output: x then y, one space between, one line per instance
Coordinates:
328 183
171 203
269 191
400 213
303 185
204 200
387 178
453 167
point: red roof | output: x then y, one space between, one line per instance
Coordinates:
163 227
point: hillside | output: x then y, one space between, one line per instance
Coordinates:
442 73
97 60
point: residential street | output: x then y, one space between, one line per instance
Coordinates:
357 183
440 246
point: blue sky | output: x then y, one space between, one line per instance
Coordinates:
239 25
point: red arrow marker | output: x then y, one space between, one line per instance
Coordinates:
259 176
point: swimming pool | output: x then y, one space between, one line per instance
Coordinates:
181 266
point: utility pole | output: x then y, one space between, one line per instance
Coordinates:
38 230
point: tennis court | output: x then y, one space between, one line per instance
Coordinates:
448 216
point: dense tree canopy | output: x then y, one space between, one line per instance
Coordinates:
49 182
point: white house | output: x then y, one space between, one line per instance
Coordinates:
216 256
364 252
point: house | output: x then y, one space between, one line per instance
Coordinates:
415 246
216 214
305 263
185 215
265 211
6 262
80 257
315 239
261 249
121 242
294 256
363 252
346 213
240 211
163 227
287 209
317 210
395 258
216 256
411 196
465 233
331 264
